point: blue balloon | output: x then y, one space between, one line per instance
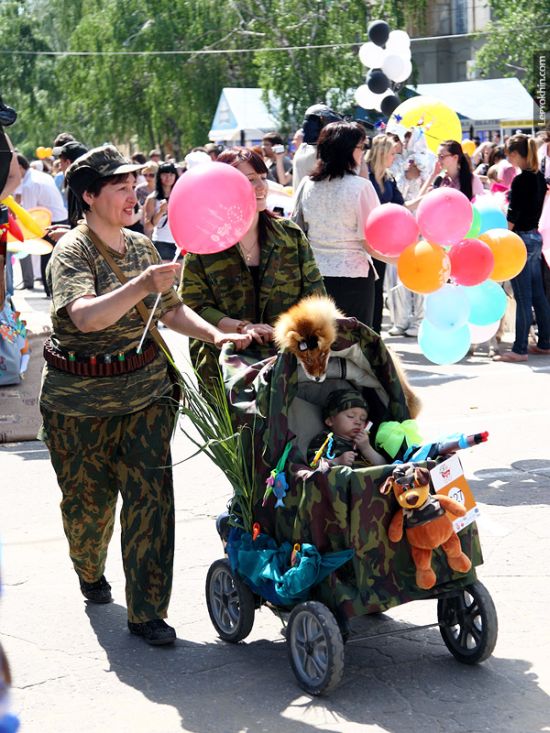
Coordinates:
448 308
491 215
443 347
487 303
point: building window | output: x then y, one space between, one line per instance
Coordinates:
460 16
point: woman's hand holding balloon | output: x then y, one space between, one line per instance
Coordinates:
158 278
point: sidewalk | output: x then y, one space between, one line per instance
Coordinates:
75 667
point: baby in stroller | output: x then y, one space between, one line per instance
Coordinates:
346 442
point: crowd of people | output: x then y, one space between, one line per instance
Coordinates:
114 251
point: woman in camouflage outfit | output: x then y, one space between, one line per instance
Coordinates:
246 287
108 410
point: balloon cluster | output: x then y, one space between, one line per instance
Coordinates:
42 152
387 55
465 252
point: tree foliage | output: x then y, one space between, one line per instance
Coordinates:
518 30
170 100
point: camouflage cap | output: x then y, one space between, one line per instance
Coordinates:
98 163
343 399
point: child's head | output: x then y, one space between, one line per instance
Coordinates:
346 413
492 174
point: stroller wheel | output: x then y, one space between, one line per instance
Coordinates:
468 623
315 647
230 602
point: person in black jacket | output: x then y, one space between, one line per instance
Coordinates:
527 194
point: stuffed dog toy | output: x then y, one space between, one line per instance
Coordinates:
426 524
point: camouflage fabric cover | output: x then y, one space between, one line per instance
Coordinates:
77 269
221 285
337 508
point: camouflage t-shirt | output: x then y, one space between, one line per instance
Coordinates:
77 269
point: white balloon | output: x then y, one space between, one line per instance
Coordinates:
366 99
406 71
398 40
480 334
393 66
371 55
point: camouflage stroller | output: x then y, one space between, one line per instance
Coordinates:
339 511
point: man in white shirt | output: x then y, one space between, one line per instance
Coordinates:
38 189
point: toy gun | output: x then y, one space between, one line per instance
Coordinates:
463 441
445 447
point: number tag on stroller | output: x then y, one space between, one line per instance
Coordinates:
448 478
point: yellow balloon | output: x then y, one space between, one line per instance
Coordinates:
27 221
468 146
39 152
436 121
48 152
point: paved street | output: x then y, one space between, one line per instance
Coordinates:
76 668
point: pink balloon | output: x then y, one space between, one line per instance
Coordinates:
472 261
444 216
390 229
210 208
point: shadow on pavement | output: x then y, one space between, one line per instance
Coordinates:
525 482
29 451
402 683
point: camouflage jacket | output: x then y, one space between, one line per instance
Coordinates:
77 269
220 285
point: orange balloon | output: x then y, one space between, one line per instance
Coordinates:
40 152
423 267
48 152
509 251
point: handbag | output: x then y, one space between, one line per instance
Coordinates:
140 307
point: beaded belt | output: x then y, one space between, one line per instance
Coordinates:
100 365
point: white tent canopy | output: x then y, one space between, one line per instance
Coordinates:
242 112
489 103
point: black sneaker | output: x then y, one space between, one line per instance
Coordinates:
156 632
98 592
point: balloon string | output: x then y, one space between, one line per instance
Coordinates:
148 324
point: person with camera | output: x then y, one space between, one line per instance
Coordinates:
279 165
156 211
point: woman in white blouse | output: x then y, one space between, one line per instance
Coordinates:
332 206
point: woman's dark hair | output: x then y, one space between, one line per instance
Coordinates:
164 168
236 156
96 186
464 167
335 149
496 155
526 147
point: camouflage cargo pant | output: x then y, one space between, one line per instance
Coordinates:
95 459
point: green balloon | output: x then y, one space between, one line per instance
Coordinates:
474 230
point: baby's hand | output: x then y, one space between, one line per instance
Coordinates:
346 459
362 442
